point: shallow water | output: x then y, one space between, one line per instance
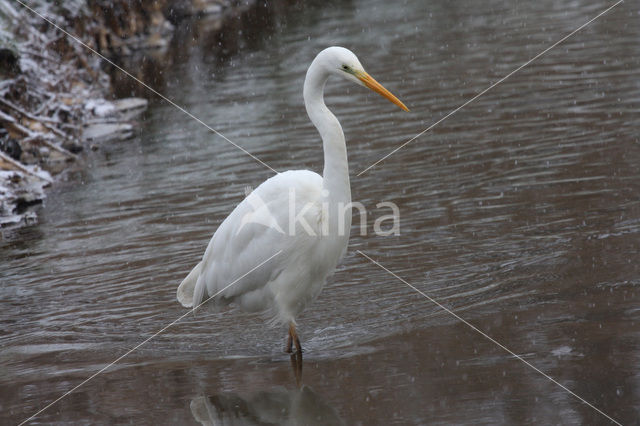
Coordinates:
521 212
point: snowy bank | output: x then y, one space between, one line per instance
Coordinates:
54 93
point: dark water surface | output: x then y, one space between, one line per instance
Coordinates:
521 212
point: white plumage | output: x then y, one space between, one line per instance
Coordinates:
299 216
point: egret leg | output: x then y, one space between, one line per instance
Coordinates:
293 339
288 348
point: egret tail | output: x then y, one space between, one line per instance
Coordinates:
187 287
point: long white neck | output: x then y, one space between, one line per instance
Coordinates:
335 176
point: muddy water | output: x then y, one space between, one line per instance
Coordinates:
521 213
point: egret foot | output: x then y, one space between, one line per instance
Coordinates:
293 338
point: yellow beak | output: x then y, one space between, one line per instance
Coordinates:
372 84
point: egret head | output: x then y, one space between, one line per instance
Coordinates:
344 63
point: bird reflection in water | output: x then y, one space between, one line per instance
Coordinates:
296 366
278 405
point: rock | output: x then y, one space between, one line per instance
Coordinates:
18 190
9 219
111 118
128 104
207 7
130 107
100 107
99 132
180 9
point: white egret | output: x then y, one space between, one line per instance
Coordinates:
302 216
